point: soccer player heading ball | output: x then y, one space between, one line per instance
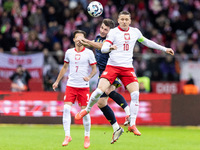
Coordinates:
102 59
120 43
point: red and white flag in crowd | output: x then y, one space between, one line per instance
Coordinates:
32 62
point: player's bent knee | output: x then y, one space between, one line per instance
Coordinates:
110 89
102 103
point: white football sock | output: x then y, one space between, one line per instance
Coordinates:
87 124
115 126
67 119
127 110
93 99
134 107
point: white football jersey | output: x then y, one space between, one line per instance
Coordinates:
79 63
125 42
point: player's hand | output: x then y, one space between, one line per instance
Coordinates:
78 41
170 51
84 43
81 39
113 47
86 78
55 85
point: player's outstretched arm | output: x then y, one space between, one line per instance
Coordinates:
152 44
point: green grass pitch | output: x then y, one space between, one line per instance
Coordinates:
50 137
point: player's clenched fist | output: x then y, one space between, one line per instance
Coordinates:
170 51
113 47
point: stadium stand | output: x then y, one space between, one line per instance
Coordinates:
32 26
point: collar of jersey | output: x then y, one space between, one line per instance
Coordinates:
79 51
122 29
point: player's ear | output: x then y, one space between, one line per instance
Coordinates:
118 20
74 39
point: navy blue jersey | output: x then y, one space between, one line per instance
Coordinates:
101 58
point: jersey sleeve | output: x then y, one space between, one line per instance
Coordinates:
66 59
108 42
140 36
148 42
92 60
110 36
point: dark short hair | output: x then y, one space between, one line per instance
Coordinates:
124 13
109 23
79 31
19 66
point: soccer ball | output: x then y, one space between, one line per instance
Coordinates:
95 9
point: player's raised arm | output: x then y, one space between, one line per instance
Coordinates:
152 44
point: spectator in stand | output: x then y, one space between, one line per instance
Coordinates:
168 69
48 58
190 87
19 42
109 9
155 73
50 78
65 43
52 29
57 46
59 57
20 80
69 27
33 44
59 34
188 46
14 51
142 87
140 66
7 5
36 18
1 39
195 52
51 14
1 50
66 15
166 22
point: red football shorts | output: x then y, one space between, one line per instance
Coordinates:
82 95
126 75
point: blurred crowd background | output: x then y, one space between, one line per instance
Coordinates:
32 26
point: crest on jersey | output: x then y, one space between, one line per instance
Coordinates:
77 57
126 36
